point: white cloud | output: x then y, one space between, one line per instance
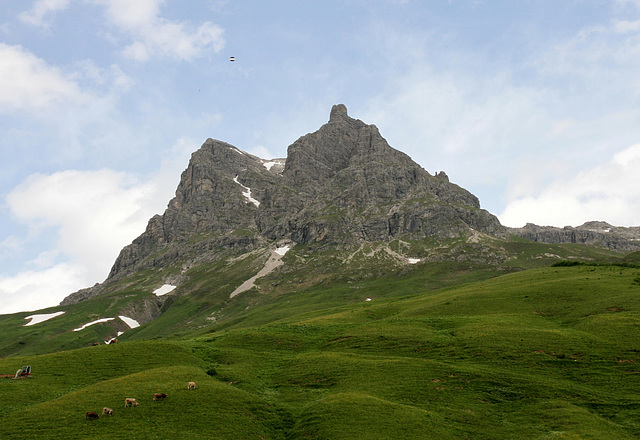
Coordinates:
29 84
93 214
609 192
130 14
156 35
62 116
40 9
635 3
625 26
218 5
38 289
10 244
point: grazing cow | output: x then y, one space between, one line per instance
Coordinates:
130 402
107 411
95 343
191 386
159 396
92 415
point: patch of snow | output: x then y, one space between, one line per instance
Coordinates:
282 250
272 263
413 260
236 150
129 321
166 288
36 319
93 322
268 164
109 341
247 192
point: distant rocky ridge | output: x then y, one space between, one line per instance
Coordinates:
594 233
340 186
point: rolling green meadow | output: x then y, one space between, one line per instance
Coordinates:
544 353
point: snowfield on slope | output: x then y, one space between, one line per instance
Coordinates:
166 288
36 319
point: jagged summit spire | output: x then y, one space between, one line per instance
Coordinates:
337 111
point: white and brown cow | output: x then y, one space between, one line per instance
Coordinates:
191 386
130 402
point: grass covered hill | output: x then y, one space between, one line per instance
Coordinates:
308 280
550 353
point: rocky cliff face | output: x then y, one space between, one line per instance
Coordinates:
351 185
592 233
340 185
217 195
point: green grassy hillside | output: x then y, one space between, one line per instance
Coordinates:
548 353
309 280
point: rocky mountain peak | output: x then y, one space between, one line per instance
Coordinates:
339 186
338 111
340 144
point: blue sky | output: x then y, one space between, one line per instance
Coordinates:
533 106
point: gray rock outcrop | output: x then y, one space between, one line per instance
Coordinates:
340 185
594 233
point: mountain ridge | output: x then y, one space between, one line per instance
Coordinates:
596 233
340 187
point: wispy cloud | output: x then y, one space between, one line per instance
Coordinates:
633 3
59 114
27 83
154 35
439 118
141 21
598 61
625 26
40 10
